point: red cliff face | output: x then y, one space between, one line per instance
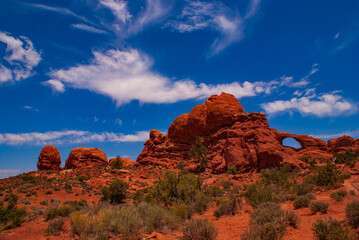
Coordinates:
49 158
232 136
86 157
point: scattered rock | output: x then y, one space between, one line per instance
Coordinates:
86 157
49 158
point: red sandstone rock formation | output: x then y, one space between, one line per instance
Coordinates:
125 161
341 144
86 157
232 136
49 158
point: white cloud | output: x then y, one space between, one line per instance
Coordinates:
337 35
328 104
119 9
88 28
70 137
5 74
95 119
118 121
127 75
5 173
63 11
56 85
21 56
353 134
214 16
28 107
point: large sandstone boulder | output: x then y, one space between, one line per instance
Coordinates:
86 157
49 158
127 162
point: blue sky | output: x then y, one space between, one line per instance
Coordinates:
102 73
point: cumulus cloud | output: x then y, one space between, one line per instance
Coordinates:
56 85
5 173
127 75
214 16
70 137
21 57
328 104
88 28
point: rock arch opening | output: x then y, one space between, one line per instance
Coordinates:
292 143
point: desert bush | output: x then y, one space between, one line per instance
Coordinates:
183 211
55 227
331 230
292 218
68 188
11 216
327 176
126 220
173 188
351 192
227 206
349 157
199 228
25 201
200 202
352 213
232 170
199 152
226 184
44 202
117 163
302 201
116 192
300 189
339 195
277 176
48 192
215 191
268 222
319 206
64 210
258 193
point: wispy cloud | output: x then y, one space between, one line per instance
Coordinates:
119 9
328 104
70 137
21 57
5 173
88 28
127 75
63 11
353 134
214 16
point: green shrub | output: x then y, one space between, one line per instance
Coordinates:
277 176
232 170
81 178
11 216
126 220
352 213
116 192
226 184
64 210
292 218
183 211
215 191
302 201
349 157
117 163
199 152
339 195
300 189
327 176
200 229
68 188
331 230
173 188
352 193
200 202
258 193
319 206
268 222
44 202
48 192
227 206
55 227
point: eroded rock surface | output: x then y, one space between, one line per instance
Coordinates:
86 157
49 158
